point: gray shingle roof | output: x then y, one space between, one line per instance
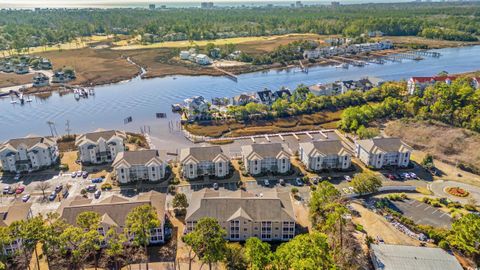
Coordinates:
117 208
377 145
396 257
15 212
265 149
325 147
202 153
105 134
271 207
29 142
140 157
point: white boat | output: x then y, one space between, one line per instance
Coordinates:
13 102
344 65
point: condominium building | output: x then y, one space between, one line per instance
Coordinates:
380 152
100 146
204 161
324 154
142 165
266 158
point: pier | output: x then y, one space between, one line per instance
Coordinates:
229 75
302 67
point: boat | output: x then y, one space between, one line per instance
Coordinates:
344 66
13 102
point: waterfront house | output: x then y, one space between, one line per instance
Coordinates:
185 55
8 67
244 99
18 211
215 53
202 59
266 158
142 165
282 93
266 97
60 76
100 146
242 215
420 83
196 107
476 82
21 68
329 89
381 152
204 161
40 79
28 154
398 257
325 154
113 212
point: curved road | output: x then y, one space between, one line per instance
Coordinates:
438 188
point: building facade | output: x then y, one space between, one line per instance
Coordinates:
28 154
204 161
326 154
142 165
9 214
113 212
243 215
266 158
381 152
100 146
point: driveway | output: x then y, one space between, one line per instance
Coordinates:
438 188
422 213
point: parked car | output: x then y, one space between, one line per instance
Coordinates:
298 182
74 174
380 239
91 188
6 189
25 198
97 180
266 182
52 196
413 175
65 193
315 180
58 188
215 186
84 174
20 189
97 194
17 177
281 182
347 178
79 173
406 175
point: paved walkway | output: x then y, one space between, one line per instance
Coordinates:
438 188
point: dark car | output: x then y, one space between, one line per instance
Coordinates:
58 188
298 182
97 180
52 196
281 182
65 193
85 175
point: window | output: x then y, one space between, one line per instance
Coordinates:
234 229
153 169
266 230
288 230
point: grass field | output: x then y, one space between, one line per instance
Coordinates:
12 79
296 123
124 44
431 43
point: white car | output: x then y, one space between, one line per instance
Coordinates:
266 182
348 178
17 177
25 198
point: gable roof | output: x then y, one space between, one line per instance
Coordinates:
114 209
432 79
228 205
202 153
29 142
265 150
140 157
397 257
95 136
382 145
325 147
14 212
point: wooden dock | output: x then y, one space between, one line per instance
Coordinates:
229 75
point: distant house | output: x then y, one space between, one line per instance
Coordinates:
266 97
113 212
28 154
9 214
282 93
21 68
381 152
40 79
215 53
326 154
398 257
204 161
44 64
100 146
243 215
476 82
185 55
202 59
244 99
196 105
142 165
234 55
266 158
8 67
420 83
329 89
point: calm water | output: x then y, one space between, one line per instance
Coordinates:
142 99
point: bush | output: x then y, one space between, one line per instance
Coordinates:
175 181
106 186
294 190
444 245
359 228
470 207
171 189
63 167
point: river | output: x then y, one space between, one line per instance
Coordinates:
142 99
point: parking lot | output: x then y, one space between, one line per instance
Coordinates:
422 213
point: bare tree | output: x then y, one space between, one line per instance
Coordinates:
43 186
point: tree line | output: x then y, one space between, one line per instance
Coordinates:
21 29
